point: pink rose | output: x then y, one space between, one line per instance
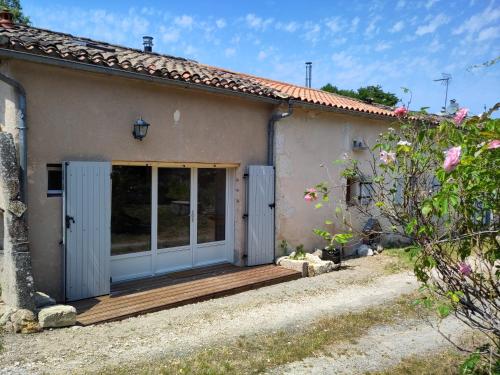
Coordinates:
387 157
310 195
460 115
401 111
464 268
494 144
452 158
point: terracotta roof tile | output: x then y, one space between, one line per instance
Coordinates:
68 47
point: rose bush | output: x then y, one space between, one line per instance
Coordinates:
437 184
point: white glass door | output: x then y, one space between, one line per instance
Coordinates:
166 219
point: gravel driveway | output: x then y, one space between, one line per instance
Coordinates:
186 329
381 348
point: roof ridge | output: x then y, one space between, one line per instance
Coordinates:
65 46
84 38
306 88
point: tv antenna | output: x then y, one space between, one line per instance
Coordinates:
445 80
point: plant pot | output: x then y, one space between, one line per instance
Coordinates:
335 255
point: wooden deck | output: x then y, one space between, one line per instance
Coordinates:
175 289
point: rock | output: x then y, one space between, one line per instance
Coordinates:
318 253
315 269
57 316
389 241
380 248
278 261
313 258
24 321
43 300
297 265
5 315
364 251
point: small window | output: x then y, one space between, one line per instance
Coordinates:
358 192
54 180
365 192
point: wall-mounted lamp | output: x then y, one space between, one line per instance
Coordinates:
140 129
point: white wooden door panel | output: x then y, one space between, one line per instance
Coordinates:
87 222
260 215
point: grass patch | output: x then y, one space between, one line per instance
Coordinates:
256 354
402 261
444 363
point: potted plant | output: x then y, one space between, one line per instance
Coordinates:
332 253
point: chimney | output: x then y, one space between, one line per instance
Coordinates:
308 73
6 19
147 42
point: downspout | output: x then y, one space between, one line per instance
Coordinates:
271 142
23 142
275 117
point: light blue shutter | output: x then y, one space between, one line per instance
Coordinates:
87 223
260 215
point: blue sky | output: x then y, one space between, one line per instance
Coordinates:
396 44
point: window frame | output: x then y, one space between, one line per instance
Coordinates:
57 168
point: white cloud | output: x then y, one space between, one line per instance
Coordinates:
382 46
334 24
439 20
372 28
236 39
313 32
169 35
289 27
184 21
488 33
435 45
189 50
397 27
257 23
430 3
262 55
229 52
354 24
220 23
343 60
479 21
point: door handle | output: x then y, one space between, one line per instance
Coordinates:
69 219
272 205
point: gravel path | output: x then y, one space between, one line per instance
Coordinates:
186 329
381 348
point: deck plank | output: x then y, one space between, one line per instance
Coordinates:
176 289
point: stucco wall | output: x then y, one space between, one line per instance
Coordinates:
82 116
307 143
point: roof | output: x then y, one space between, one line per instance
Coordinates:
67 47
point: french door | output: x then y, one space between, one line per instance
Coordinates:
165 219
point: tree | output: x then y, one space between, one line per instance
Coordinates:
14 6
368 94
438 186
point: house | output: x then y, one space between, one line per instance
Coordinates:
190 149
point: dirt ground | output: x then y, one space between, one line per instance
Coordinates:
362 283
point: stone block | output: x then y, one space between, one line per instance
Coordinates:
57 316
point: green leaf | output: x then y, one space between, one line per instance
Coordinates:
328 222
318 205
443 311
426 210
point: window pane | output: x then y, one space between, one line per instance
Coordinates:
131 210
211 205
54 179
174 186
